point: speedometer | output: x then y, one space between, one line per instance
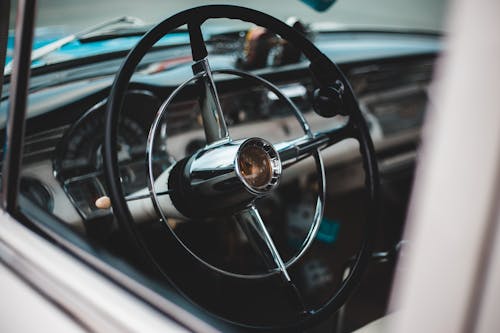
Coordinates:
79 164
81 150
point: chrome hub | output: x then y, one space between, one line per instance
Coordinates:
225 177
258 165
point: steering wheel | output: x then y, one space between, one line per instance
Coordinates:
228 176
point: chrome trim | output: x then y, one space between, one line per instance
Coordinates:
295 150
145 92
211 111
50 134
150 145
251 221
133 197
274 163
211 168
314 153
56 160
41 152
212 175
318 213
296 90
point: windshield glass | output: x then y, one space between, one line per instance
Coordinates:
57 19
406 14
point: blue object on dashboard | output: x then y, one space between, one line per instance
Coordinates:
328 231
76 49
319 5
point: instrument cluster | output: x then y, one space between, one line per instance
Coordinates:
78 164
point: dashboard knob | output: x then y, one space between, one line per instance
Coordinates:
329 102
103 202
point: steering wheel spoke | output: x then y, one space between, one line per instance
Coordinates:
255 230
198 47
139 196
296 150
211 111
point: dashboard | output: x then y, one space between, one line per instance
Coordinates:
63 168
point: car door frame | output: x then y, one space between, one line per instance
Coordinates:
59 283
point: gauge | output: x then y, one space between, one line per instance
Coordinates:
79 161
34 190
81 151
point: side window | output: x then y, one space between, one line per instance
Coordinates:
16 36
7 16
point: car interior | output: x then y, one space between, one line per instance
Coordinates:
259 177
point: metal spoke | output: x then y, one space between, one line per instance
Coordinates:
133 197
211 111
252 225
296 150
256 232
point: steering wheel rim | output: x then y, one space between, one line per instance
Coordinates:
325 73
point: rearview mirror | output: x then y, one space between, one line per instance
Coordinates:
319 5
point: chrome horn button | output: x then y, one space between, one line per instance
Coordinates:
258 165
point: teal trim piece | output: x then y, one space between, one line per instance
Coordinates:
328 231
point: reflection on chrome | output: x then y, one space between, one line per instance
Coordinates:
258 165
226 177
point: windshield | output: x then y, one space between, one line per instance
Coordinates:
404 14
56 19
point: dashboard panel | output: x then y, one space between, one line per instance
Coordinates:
63 158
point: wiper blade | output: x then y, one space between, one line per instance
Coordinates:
119 32
51 47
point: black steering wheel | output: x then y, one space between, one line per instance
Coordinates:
228 176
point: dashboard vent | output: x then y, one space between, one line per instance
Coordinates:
377 77
41 145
